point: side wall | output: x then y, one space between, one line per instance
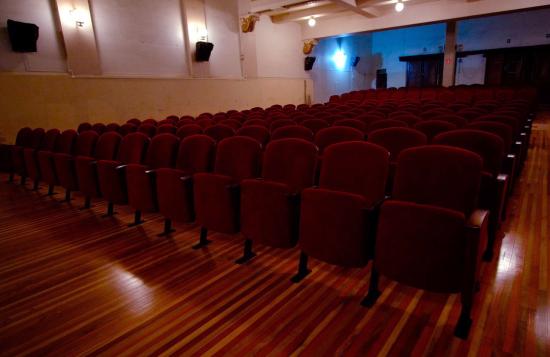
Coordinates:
59 101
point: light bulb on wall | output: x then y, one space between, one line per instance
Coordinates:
399 6
339 59
311 22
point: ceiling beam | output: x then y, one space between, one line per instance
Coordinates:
351 5
266 5
319 11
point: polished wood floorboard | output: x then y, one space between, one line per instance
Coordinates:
74 283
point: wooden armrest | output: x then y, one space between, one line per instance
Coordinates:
121 167
477 219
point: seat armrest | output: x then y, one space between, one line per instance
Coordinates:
477 219
186 178
121 167
151 173
233 187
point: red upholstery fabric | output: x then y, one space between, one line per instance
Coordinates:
166 129
216 196
112 182
489 146
334 224
352 123
257 132
406 117
422 246
22 140
31 154
65 164
513 122
65 144
106 149
113 127
256 122
134 121
504 131
82 127
439 175
294 131
433 127
149 122
175 196
457 120
235 124
279 123
127 128
386 123
269 207
219 132
148 129
336 134
140 185
315 124
396 140
99 128
188 130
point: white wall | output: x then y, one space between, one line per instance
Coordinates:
329 79
279 49
50 56
140 37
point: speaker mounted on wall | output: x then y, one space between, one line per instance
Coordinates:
355 61
308 62
203 51
23 36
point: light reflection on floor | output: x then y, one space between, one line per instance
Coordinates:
139 296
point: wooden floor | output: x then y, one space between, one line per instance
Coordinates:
73 283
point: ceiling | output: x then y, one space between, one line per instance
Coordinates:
300 10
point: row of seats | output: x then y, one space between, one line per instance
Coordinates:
394 190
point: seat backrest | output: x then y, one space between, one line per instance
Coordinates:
336 134
406 117
204 122
293 131
439 175
166 128
256 122
23 137
291 161
352 123
127 128
457 120
219 132
132 148
356 167
66 141
82 127
489 146
149 122
386 123
233 123
85 143
196 154
238 157
513 122
279 123
257 132
113 127
37 136
315 124
504 131
50 138
396 140
107 146
188 130
433 127
162 151
134 121
148 129
99 128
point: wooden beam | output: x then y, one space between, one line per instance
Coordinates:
319 11
351 5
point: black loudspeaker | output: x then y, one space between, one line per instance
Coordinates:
308 63
203 51
381 78
355 61
22 36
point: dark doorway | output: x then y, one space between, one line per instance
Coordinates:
424 70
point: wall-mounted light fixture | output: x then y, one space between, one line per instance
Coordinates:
248 22
399 6
309 45
340 59
311 22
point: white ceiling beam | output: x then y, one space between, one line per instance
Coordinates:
319 11
351 5
266 5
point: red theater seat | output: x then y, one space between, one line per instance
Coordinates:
386 123
140 177
188 130
175 185
65 144
86 166
430 235
219 132
127 128
65 163
99 128
113 127
493 184
336 134
433 127
279 123
112 179
166 129
26 139
31 156
315 124
294 131
257 132
352 123
82 127
337 220
270 205
216 195
134 121
148 129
